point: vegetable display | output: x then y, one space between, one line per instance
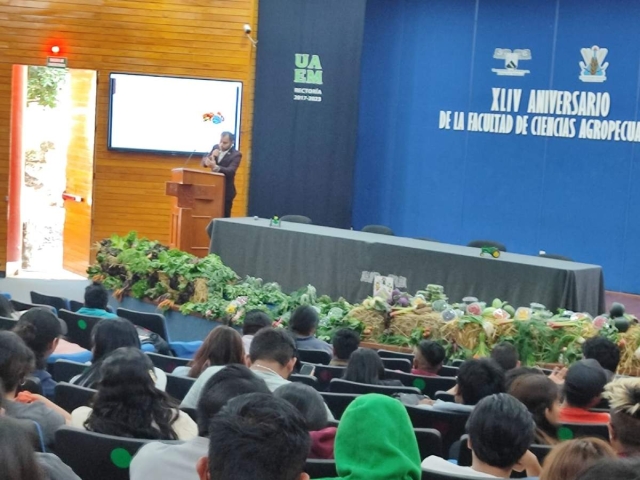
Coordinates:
145 269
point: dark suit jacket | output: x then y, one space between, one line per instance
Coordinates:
228 167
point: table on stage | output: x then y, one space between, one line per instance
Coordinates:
340 262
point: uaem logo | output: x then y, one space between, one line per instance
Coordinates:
308 72
308 69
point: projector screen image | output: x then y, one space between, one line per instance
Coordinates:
171 114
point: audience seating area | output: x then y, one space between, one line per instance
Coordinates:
100 457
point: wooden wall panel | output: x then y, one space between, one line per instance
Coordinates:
199 38
79 172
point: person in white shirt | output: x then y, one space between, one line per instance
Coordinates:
128 404
477 379
501 430
161 461
272 358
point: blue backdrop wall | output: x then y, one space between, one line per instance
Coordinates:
567 195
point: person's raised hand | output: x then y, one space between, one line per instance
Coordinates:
529 463
558 375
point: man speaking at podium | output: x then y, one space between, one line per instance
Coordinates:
224 158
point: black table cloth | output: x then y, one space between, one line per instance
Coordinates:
342 263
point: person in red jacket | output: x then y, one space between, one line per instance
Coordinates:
428 357
583 387
311 405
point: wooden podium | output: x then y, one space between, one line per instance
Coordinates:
198 197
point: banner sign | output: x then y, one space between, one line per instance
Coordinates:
547 113
306 109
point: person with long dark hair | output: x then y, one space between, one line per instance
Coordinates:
109 335
365 366
223 346
41 330
129 405
163 461
541 396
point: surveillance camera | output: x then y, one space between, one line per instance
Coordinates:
247 28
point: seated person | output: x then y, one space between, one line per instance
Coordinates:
605 352
624 430
500 433
128 404
311 405
428 357
583 387
541 396
41 330
17 362
512 375
569 459
476 379
7 310
223 346
107 336
256 436
303 323
376 441
160 461
365 366
615 469
18 460
254 320
272 358
345 341
506 355
96 299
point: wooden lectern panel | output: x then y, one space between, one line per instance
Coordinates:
198 197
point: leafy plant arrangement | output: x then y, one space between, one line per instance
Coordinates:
146 269
205 286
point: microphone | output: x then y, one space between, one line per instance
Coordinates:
189 157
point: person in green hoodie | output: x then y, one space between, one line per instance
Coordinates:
376 441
